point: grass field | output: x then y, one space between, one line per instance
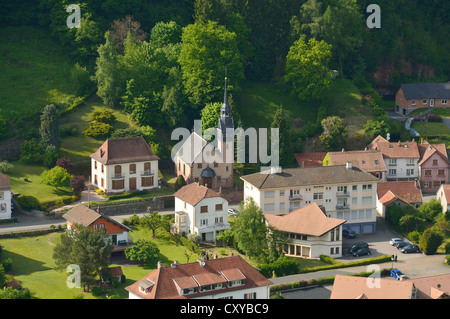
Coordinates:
24 179
35 72
258 101
78 147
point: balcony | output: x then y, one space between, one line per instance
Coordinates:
147 172
295 198
342 206
343 194
117 176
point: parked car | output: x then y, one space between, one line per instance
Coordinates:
358 246
397 274
402 244
232 212
395 241
362 252
348 233
410 249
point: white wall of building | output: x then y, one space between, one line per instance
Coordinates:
5 204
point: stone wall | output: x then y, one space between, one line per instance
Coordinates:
158 203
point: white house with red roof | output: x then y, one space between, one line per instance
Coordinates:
401 193
400 158
200 210
124 164
312 233
221 278
5 197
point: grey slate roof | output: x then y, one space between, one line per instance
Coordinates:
426 90
292 177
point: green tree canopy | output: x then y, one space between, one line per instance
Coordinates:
56 177
286 150
207 49
142 251
49 130
307 68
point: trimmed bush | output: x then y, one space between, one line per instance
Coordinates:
28 202
99 129
430 240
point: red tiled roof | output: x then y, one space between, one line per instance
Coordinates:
407 190
193 193
367 160
427 150
166 279
395 149
308 220
124 150
390 197
310 159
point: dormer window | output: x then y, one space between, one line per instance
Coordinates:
145 286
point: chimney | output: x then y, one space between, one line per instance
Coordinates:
230 253
174 264
216 256
303 163
160 264
348 165
343 150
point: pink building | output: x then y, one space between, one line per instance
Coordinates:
433 166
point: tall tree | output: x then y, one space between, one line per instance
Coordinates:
333 129
108 73
207 49
307 68
342 26
250 231
49 129
88 248
286 151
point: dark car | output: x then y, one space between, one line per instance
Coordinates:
348 233
358 246
402 244
362 252
410 249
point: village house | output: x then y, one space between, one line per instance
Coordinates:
413 96
192 159
81 214
200 210
5 197
400 158
312 233
353 287
124 165
220 278
443 196
433 166
346 192
401 193
370 161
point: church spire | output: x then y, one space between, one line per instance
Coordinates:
225 106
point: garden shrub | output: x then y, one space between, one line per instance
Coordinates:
429 241
98 129
28 202
103 115
281 267
414 236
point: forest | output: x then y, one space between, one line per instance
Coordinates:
163 62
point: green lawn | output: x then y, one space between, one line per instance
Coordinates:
432 129
79 147
257 102
35 71
24 179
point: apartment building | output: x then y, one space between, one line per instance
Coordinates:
346 192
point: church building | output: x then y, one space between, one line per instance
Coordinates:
194 160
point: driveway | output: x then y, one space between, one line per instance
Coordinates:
378 243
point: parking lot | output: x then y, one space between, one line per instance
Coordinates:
378 243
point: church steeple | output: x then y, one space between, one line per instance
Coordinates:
225 119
